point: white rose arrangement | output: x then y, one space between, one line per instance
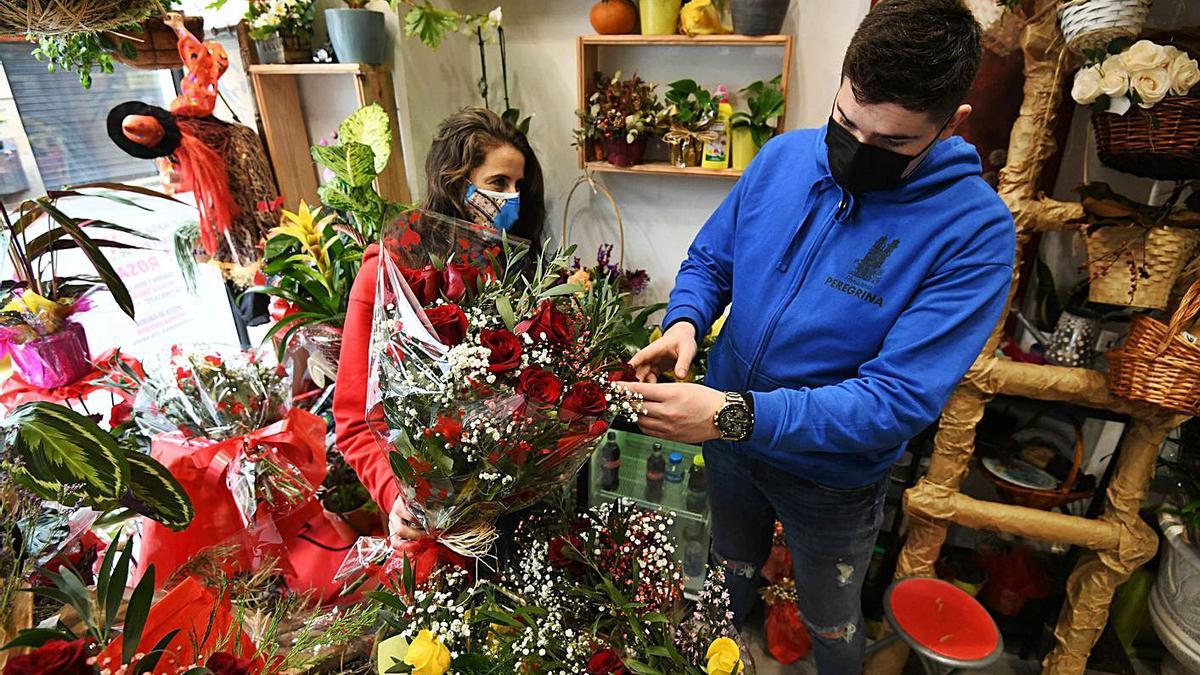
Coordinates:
270 17
1143 74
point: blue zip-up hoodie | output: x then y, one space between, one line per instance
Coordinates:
852 317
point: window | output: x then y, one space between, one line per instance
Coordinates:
65 123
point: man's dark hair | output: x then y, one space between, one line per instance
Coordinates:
920 54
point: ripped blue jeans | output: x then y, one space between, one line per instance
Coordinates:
831 533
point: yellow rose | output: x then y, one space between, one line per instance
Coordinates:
1114 79
427 655
1087 86
1144 55
1151 85
724 658
1185 73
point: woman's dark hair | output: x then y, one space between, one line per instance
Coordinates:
919 54
461 144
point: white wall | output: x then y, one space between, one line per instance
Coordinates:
661 214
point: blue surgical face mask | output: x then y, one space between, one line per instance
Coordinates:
497 209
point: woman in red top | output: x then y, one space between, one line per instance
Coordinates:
480 168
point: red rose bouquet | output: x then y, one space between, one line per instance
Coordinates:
491 378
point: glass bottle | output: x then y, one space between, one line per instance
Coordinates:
656 470
610 464
697 486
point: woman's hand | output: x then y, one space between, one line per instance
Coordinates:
401 526
675 349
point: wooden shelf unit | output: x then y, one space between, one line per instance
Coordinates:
587 60
277 92
663 169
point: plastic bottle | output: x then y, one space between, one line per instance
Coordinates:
697 486
716 151
656 471
675 468
610 464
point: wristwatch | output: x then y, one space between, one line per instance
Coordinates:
735 419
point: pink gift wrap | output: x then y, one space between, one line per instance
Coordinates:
55 360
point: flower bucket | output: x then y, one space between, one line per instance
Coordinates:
618 152
660 17
270 51
55 360
296 48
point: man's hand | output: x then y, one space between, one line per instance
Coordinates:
679 412
675 349
400 524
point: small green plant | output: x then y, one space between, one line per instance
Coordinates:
766 103
362 151
82 53
280 17
690 105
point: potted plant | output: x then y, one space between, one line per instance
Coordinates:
690 111
750 130
142 42
659 17
48 349
282 30
358 34
759 17
345 498
623 114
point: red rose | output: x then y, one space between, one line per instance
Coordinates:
606 663
622 373
549 325
462 280
120 414
538 386
563 552
426 283
280 309
585 399
505 350
449 323
56 656
224 663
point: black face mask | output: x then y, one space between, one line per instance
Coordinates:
859 167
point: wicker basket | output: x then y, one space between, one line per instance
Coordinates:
157 45
1157 364
1044 499
1092 24
56 17
1162 143
1115 252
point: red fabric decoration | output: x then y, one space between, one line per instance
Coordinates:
787 636
203 171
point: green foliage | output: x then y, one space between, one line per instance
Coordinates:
67 457
81 53
362 153
430 24
691 106
513 117
32 257
767 104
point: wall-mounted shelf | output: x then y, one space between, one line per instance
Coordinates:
588 57
664 169
279 104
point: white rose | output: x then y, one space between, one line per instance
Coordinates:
1151 85
1185 74
1114 79
1144 55
1087 86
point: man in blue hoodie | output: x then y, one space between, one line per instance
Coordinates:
864 265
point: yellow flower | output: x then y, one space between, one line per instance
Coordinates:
724 658
717 326
582 279
427 655
304 227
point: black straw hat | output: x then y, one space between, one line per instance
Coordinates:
171 134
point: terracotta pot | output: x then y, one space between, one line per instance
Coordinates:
157 45
620 153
